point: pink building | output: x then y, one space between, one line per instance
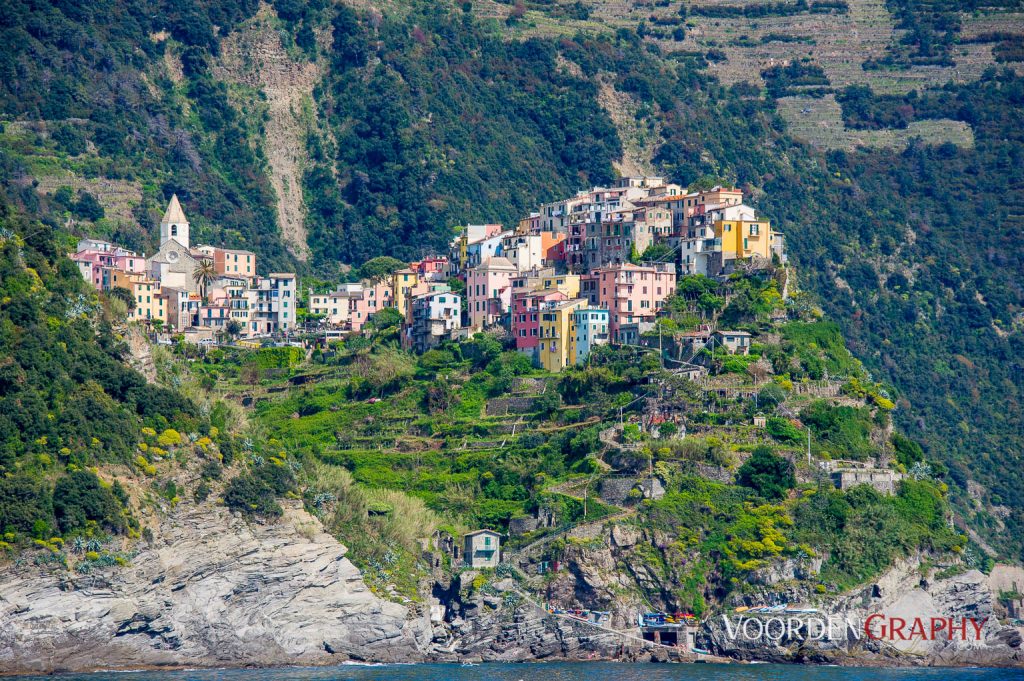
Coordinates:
525 317
96 265
434 268
216 315
489 291
374 297
631 293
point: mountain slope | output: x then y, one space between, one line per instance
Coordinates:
123 91
928 291
428 115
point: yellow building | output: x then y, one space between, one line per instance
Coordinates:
125 280
744 238
149 303
402 283
569 284
556 349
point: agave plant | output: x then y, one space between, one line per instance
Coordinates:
321 499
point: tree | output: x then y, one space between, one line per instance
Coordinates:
123 294
87 207
659 252
709 303
80 497
204 275
386 318
252 374
771 395
770 475
233 328
376 269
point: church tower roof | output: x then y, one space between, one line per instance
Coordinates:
174 213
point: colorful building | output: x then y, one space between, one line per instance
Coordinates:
526 307
435 315
274 305
589 329
631 293
375 297
230 262
489 292
402 283
555 350
150 305
569 284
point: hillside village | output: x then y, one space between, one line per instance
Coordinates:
583 271
624 395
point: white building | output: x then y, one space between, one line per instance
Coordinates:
337 306
275 303
435 315
589 329
525 251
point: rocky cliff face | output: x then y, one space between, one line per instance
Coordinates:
210 590
901 593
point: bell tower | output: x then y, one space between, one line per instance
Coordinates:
174 224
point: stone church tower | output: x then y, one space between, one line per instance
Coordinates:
174 225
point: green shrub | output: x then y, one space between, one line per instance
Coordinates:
783 430
771 475
79 499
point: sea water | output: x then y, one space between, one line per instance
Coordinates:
555 671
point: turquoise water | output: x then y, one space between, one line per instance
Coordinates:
555 671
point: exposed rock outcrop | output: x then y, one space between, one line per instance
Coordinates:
899 593
255 57
211 590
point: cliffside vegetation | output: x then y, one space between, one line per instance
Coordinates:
391 447
67 401
118 99
428 116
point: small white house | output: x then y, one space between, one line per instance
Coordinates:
736 342
482 549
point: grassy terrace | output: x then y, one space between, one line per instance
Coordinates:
392 447
820 122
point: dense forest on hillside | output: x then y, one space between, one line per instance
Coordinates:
68 403
430 118
85 77
449 124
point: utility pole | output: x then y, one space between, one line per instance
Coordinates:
808 445
661 352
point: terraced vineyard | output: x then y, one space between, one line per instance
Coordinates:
739 49
820 122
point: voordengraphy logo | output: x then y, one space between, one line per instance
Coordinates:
879 627
876 627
